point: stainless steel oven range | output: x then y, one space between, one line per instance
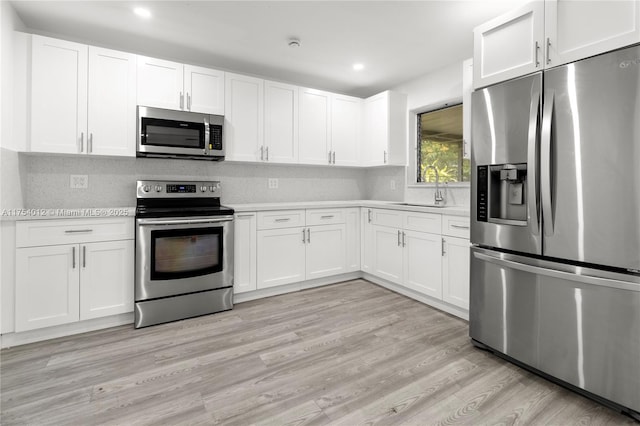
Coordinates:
184 251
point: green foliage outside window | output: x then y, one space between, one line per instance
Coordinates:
440 145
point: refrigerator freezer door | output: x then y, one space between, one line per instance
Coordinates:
505 141
592 149
579 325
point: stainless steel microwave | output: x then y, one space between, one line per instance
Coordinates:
179 134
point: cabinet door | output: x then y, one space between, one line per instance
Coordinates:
326 251
280 122
58 96
244 115
244 259
579 29
376 130
204 90
455 272
47 281
509 46
467 89
160 83
112 103
366 240
315 126
106 278
346 112
423 263
352 221
281 256
387 253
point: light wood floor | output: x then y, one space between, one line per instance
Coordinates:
347 354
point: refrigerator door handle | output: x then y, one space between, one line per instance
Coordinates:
532 170
545 164
572 276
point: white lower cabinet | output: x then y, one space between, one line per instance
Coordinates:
422 269
76 276
244 258
366 240
281 256
352 222
387 253
455 267
326 251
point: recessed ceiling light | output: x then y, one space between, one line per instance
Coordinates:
358 67
142 12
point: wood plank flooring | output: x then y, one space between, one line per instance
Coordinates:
347 354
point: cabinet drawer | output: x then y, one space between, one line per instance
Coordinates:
31 233
455 226
423 222
391 218
281 219
324 216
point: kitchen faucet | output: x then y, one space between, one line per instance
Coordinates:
438 198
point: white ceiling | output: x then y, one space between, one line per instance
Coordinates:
397 41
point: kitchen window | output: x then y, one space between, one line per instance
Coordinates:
440 146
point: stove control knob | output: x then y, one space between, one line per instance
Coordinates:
158 188
203 188
146 188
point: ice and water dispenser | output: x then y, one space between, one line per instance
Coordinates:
502 194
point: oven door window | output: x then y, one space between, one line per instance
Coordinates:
180 134
184 253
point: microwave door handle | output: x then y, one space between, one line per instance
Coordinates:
532 165
545 163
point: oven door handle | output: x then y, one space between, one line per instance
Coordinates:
184 221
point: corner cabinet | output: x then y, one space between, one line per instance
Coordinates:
545 34
83 99
385 130
70 270
172 85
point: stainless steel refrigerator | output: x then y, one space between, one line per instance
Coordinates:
555 225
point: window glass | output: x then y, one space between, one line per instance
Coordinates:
440 146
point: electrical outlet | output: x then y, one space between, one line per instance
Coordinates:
393 184
79 181
273 183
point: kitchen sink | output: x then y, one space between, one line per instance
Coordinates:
439 206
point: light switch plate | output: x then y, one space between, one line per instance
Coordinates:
79 181
273 183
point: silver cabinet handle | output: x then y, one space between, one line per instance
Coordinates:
81 141
84 256
188 101
77 231
399 241
404 243
369 215
329 157
385 157
283 219
309 235
334 157
460 226
443 250
262 153
90 143
73 257
181 100
267 150
303 239
329 216
548 50
537 50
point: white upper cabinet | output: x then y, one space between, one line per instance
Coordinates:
280 123
204 90
244 117
82 99
385 130
58 96
545 34
172 85
467 89
112 103
315 126
509 46
346 125
579 29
